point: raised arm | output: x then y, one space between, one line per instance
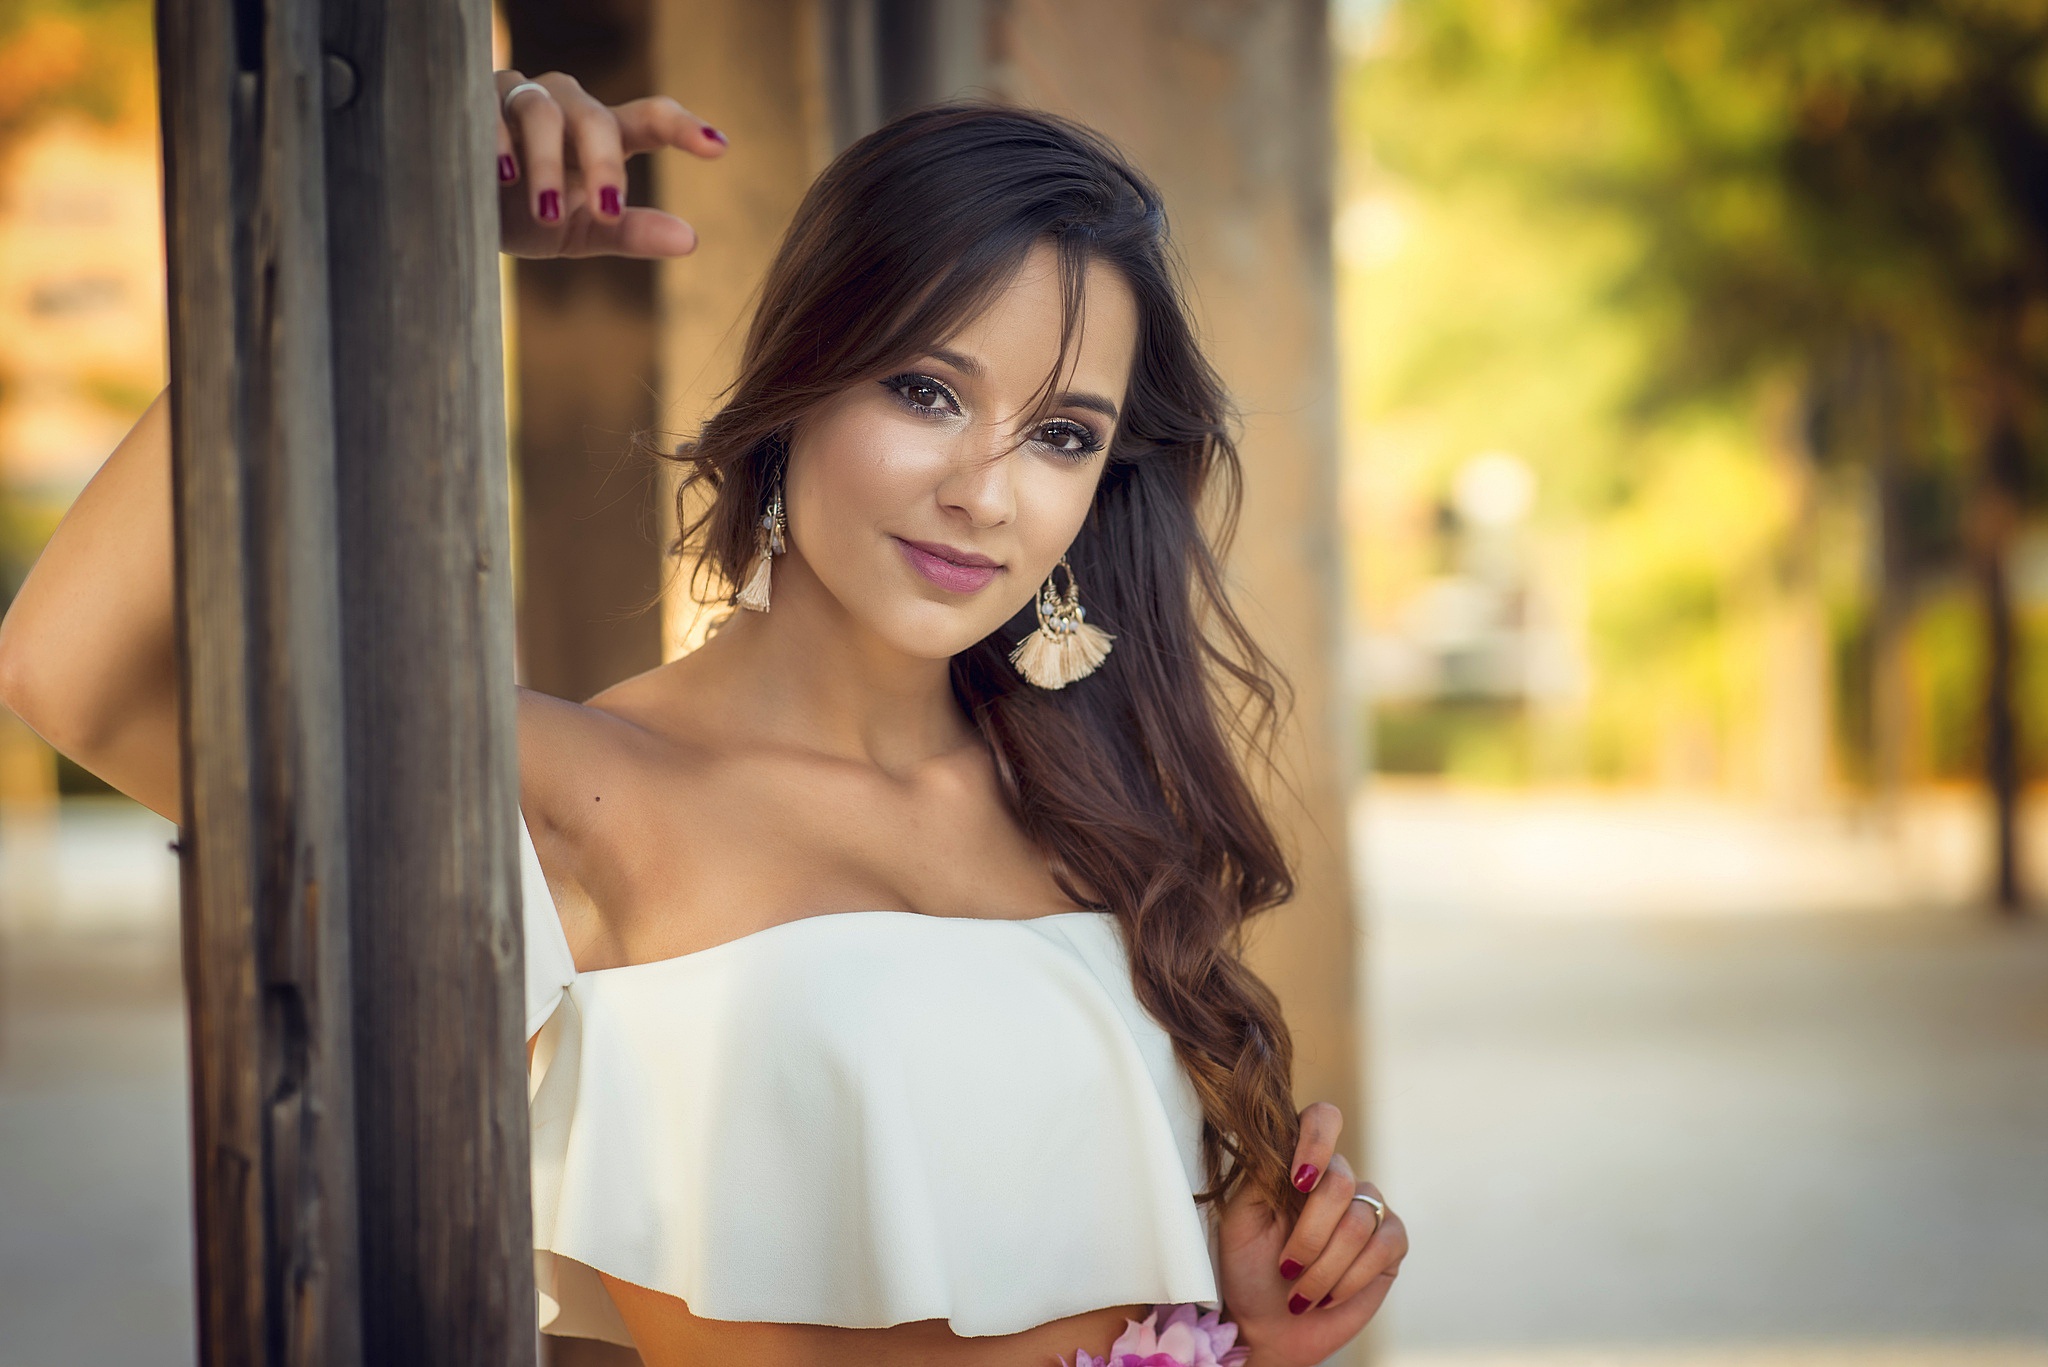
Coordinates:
88 648
87 651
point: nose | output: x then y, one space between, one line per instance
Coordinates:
979 484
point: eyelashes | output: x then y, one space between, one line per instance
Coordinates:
909 383
930 397
1063 430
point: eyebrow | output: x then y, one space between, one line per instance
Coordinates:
968 365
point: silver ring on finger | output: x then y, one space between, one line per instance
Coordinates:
505 101
1379 1209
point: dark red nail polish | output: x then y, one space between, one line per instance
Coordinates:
1289 1268
1296 1303
550 205
608 200
1325 1300
508 169
715 136
1305 1177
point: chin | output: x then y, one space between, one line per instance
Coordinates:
934 631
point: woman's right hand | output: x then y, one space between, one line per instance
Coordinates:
1301 1289
562 169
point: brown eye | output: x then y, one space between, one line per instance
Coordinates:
922 394
1069 439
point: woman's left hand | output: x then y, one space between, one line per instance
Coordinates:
1299 1294
562 157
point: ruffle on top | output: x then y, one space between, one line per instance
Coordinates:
860 1119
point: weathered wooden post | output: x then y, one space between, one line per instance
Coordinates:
426 648
349 858
264 848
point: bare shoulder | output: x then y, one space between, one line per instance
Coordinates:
573 756
589 778
561 745
591 774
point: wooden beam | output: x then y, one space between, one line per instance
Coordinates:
586 367
426 633
881 58
756 69
264 858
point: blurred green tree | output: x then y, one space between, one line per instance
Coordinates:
1902 151
1852 194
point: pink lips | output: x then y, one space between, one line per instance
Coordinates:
959 571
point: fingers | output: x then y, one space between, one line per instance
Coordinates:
1371 1275
1321 1123
562 169
1363 1250
1360 1309
593 136
641 232
1317 1223
508 160
658 121
536 122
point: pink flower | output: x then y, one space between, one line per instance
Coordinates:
1187 1337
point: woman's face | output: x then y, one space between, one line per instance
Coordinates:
924 502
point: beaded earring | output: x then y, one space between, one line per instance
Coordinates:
770 540
1065 647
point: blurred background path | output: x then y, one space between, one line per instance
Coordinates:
1669 1081
95 1182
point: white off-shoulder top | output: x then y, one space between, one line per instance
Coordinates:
861 1118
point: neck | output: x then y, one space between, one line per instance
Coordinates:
807 673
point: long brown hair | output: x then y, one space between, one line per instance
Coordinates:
1129 781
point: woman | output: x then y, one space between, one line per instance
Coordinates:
885 1002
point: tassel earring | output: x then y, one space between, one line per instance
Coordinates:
769 542
1065 647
